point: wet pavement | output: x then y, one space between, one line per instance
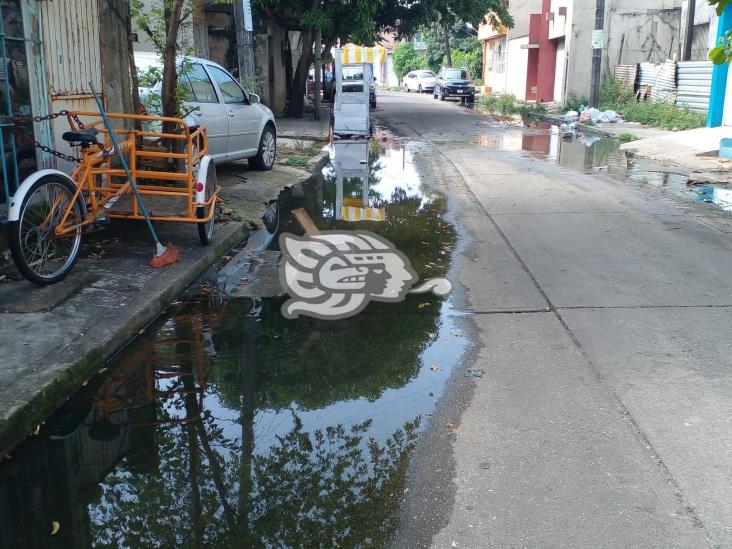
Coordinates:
225 424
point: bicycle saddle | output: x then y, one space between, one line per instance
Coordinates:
84 137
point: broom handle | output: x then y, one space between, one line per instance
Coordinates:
123 161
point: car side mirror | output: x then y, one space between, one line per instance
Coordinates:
254 98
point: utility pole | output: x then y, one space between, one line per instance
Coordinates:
688 9
244 40
598 43
317 73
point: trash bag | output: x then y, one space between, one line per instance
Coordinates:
571 116
584 117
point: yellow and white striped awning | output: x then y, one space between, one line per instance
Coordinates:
350 53
351 213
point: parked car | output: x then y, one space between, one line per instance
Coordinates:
454 82
237 124
420 81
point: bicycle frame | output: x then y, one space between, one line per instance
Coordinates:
97 167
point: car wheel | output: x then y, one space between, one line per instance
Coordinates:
442 96
434 94
406 88
267 150
419 88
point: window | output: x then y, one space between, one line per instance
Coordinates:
230 88
498 57
426 74
353 74
200 85
456 73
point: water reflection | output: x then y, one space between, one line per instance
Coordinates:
226 425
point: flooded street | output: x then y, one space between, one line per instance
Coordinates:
225 424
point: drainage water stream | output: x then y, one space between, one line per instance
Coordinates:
600 154
226 425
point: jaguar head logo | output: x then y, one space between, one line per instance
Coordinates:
335 274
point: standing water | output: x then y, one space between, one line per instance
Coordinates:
227 425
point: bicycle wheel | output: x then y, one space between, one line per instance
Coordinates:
39 254
206 230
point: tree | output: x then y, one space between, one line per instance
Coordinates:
722 53
405 59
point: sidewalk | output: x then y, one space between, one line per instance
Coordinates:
55 338
607 129
694 149
306 127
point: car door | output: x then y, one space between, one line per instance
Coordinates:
408 81
245 119
209 111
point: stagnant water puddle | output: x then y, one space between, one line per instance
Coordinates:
227 425
602 155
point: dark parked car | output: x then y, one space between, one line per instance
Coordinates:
454 82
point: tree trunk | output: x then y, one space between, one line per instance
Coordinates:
446 38
134 79
296 104
288 64
169 93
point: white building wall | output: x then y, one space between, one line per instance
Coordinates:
516 63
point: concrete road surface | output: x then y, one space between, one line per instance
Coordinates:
602 316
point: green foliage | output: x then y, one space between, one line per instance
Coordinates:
149 77
405 59
253 84
658 114
625 137
296 160
507 104
470 55
574 103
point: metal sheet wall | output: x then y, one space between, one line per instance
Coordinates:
664 88
695 84
73 59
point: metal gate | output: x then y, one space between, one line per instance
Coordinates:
16 135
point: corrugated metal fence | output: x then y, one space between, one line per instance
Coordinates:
685 83
694 84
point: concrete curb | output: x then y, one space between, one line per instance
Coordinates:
20 421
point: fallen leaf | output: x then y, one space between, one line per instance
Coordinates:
85 383
103 370
449 425
423 305
7 456
55 527
140 332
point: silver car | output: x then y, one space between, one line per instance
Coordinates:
237 124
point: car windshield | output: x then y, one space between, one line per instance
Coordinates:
455 73
426 74
352 74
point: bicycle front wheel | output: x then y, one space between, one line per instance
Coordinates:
40 254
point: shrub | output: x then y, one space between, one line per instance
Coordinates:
507 104
659 114
625 137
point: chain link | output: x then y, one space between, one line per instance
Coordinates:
42 118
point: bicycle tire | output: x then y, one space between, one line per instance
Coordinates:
20 233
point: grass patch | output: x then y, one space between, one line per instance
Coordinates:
625 137
658 114
507 104
295 160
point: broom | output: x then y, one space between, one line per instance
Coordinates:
164 255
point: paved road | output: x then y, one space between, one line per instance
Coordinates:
602 316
